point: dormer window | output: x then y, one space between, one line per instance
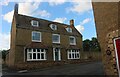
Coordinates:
69 29
53 26
34 23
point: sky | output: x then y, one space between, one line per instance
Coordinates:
54 10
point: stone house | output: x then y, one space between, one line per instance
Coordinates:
37 43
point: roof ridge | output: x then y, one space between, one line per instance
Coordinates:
44 19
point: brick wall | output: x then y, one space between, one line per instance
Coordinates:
23 38
12 43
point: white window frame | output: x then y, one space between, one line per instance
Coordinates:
51 26
117 60
55 35
44 52
40 36
54 54
74 52
33 22
68 29
74 40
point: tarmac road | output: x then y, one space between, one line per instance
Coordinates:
89 68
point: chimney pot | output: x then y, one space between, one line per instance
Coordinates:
72 22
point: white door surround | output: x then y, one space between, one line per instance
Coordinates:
56 54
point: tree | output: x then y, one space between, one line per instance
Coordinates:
4 52
95 44
91 45
86 45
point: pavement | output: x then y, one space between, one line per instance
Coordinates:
89 68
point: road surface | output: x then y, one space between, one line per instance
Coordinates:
89 68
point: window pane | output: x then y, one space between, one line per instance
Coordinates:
29 50
54 27
42 55
73 55
34 50
71 40
38 55
35 23
29 56
69 30
38 50
34 55
77 55
55 38
35 36
69 55
42 50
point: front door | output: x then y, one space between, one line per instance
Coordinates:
117 50
56 54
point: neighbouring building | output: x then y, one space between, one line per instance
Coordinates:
37 43
107 20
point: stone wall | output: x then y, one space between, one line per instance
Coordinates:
90 55
109 55
106 16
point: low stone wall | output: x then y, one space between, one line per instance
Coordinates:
84 57
90 55
43 64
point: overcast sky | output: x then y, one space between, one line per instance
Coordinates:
54 10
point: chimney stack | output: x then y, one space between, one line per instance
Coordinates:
72 22
16 9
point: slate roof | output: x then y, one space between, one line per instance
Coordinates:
24 21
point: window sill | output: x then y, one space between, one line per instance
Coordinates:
72 44
36 41
54 29
35 25
73 58
38 60
56 42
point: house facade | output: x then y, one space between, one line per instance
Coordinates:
37 43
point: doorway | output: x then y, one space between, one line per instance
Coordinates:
56 54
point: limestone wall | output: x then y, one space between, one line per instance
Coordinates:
107 16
